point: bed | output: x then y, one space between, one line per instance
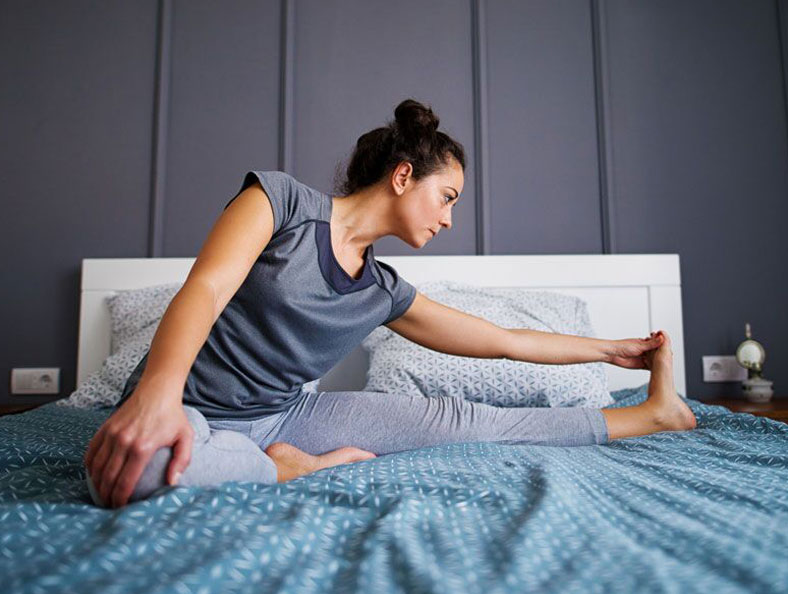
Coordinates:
704 510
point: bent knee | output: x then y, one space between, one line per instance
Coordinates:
153 478
202 431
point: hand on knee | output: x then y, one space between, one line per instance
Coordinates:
151 479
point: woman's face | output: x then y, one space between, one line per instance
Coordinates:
426 204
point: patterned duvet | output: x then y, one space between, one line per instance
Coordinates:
699 511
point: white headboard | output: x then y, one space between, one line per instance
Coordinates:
628 296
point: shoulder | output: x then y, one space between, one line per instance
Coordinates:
291 189
283 178
280 183
292 200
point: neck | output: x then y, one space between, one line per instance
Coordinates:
360 219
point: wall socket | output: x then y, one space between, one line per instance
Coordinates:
722 368
35 380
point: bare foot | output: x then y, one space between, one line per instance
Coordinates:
292 462
670 412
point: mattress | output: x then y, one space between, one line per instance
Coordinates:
699 511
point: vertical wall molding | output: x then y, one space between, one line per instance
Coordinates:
161 102
286 97
480 126
603 131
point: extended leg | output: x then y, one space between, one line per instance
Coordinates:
386 423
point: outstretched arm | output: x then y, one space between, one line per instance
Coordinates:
448 330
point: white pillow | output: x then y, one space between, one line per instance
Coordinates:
398 365
134 317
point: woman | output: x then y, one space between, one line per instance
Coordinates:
284 287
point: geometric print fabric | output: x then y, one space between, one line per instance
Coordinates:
134 318
692 511
398 365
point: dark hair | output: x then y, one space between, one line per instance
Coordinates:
413 137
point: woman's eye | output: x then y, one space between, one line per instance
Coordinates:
448 198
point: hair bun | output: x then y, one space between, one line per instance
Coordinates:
413 119
412 137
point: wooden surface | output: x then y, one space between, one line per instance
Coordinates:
11 409
776 408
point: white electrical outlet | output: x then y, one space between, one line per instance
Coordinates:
722 368
35 380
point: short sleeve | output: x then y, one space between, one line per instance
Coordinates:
402 292
281 193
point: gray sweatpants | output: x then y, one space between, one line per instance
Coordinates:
382 423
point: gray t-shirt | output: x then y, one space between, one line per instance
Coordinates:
295 316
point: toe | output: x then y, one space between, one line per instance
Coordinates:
356 454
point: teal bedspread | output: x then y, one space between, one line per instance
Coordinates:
698 511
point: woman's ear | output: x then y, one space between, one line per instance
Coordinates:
399 178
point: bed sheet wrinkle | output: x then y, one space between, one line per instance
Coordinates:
663 512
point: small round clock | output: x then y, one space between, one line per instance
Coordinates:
751 355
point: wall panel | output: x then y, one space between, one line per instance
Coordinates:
695 138
76 105
354 62
223 117
544 176
700 164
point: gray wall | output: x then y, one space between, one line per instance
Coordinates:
591 127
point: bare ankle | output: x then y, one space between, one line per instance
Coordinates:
670 415
661 418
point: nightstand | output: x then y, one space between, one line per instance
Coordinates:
12 409
776 408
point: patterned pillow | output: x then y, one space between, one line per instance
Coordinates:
398 365
134 318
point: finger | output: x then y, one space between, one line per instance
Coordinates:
100 459
182 453
94 446
136 462
111 471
